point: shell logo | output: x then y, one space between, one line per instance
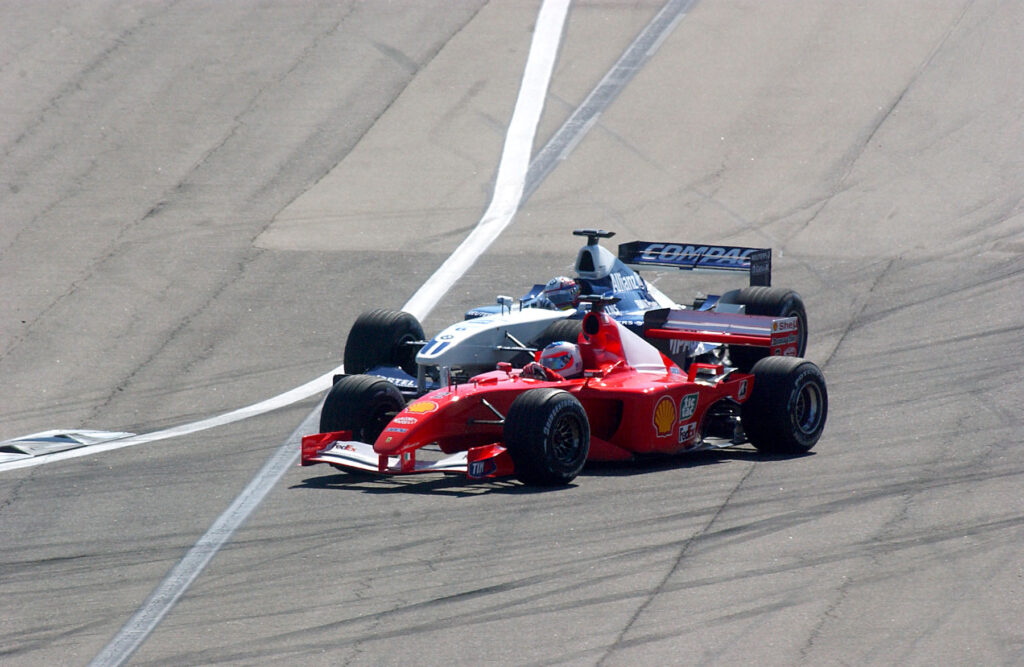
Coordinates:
420 407
664 416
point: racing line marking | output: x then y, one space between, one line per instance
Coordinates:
514 164
508 190
517 179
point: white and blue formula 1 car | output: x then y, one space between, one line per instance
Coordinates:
391 344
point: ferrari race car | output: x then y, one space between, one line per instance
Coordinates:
629 400
391 344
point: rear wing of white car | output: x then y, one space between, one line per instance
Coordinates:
757 262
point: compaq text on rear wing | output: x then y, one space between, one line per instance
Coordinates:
757 262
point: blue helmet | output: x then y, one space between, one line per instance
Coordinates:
561 292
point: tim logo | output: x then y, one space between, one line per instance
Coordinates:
480 469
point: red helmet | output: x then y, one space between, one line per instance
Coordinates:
563 357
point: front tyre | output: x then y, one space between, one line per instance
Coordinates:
786 411
362 404
382 338
547 434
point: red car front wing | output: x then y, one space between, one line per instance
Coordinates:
338 449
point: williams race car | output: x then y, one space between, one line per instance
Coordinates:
391 344
612 396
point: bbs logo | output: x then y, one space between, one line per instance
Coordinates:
687 406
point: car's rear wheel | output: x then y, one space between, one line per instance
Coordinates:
362 404
773 301
558 331
547 434
382 338
788 406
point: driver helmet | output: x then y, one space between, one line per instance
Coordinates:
561 292
563 357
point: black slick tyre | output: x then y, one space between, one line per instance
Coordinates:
788 406
547 434
558 331
381 338
362 404
773 301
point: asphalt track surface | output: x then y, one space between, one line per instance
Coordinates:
197 199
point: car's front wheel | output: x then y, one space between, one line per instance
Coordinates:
362 404
547 434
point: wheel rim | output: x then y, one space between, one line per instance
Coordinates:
808 411
566 438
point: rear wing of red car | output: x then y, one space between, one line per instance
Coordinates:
756 262
780 334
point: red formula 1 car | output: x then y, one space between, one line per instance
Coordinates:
631 401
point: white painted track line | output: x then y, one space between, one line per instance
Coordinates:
507 193
514 165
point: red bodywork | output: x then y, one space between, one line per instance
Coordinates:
637 402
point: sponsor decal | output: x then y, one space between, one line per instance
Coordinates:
741 393
687 432
688 406
760 263
786 340
664 416
479 469
421 407
395 429
676 347
706 255
348 448
626 283
405 420
789 324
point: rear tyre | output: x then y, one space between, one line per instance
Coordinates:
362 404
558 331
547 434
786 411
773 301
380 338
